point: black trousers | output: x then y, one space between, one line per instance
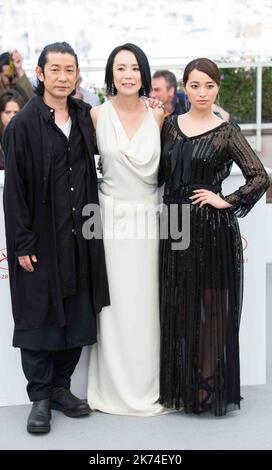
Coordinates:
45 369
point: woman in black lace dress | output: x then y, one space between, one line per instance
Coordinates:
202 285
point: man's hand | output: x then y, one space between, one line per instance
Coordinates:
100 166
25 262
18 63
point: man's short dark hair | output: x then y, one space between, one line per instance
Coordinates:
169 77
4 60
143 66
63 48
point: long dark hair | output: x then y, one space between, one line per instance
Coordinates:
63 48
6 97
203 65
143 66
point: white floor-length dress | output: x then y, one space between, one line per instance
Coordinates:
124 364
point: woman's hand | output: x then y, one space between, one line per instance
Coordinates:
203 196
154 103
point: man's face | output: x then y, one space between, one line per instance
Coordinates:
60 74
6 80
159 90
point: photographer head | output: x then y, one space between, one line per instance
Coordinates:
12 75
7 71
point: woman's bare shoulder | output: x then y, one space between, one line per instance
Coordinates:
95 113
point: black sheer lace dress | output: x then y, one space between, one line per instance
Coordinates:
202 286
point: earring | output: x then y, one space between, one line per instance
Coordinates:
112 89
144 92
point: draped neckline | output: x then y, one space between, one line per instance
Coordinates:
122 126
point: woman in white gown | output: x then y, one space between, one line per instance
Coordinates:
124 364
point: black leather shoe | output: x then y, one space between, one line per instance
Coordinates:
63 400
39 417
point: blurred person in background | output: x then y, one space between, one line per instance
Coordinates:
13 76
220 112
164 88
10 105
85 95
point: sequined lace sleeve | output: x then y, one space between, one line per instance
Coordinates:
253 171
166 139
